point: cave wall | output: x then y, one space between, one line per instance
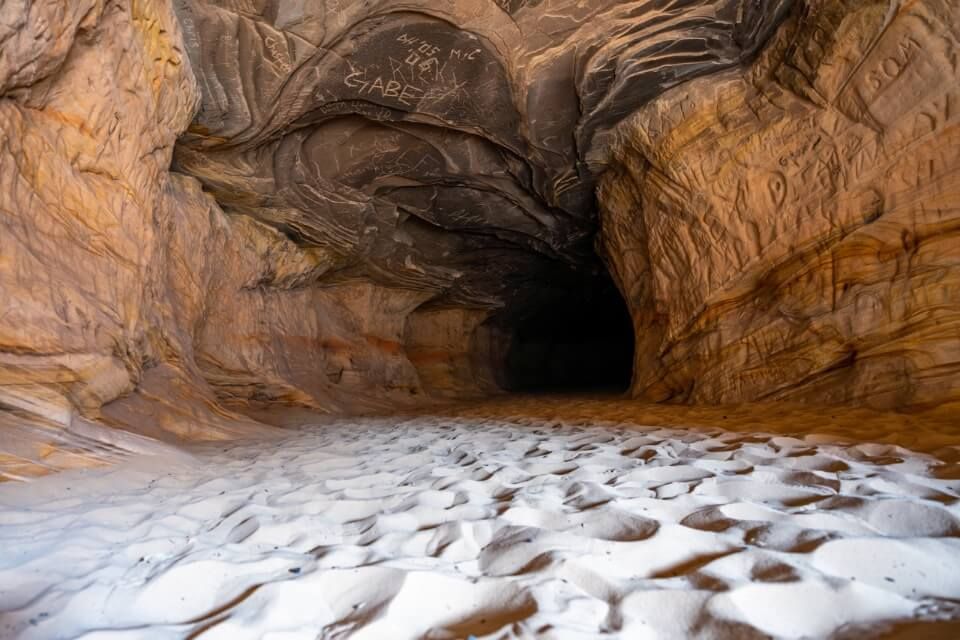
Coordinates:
94 96
213 208
445 148
791 231
136 310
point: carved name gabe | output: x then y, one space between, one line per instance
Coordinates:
399 91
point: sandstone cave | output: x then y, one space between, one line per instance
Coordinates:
487 319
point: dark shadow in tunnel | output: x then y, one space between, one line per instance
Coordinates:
580 342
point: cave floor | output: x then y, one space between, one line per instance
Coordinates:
520 518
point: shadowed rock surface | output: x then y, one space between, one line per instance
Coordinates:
442 147
214 208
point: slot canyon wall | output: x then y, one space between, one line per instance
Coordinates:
212 208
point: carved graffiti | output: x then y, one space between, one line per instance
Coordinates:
277 53
404 93
414 67
421 53
891 68
458 54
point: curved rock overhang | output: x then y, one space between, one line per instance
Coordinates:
451 148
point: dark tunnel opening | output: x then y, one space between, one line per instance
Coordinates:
579 342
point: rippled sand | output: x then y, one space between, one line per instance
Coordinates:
514 527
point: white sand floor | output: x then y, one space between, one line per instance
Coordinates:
455 527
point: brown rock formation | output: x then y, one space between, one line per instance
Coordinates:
790 231
441 148
371 202
95 95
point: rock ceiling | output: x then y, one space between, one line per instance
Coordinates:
445 146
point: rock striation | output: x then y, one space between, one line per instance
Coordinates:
789 231
449 149
214 208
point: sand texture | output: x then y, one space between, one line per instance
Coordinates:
514 527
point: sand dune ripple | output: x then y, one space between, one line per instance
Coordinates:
457 527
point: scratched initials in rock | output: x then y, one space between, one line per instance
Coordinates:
424 56
457 54
890 68
401 92
278 53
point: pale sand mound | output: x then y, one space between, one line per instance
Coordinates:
452 527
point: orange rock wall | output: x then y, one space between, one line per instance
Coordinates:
792 230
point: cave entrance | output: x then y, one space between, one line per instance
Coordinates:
582 341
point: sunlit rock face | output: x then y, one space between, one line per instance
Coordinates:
790 231
94 96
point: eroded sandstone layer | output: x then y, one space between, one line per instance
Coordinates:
443 148
367 199
792 230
